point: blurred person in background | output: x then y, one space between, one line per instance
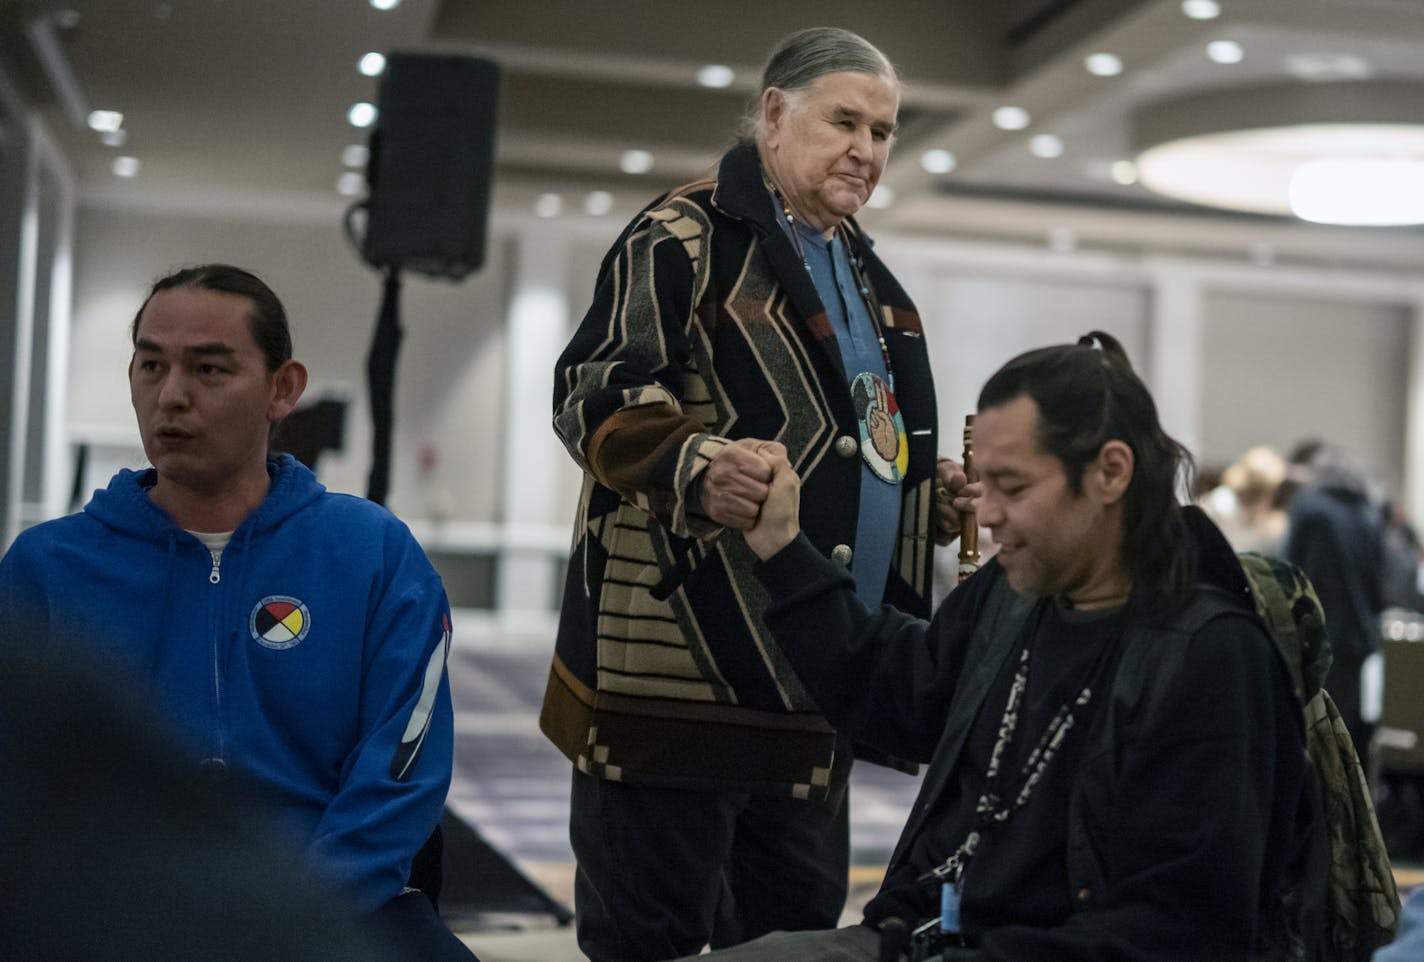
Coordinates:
1244 504
1334 533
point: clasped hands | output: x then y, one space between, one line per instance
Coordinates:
751 486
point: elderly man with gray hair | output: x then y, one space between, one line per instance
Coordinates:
736 321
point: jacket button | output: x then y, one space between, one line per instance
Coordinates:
846 446
840 554
1084 894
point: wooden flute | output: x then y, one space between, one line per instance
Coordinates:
968 523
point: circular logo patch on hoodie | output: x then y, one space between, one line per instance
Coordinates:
279 622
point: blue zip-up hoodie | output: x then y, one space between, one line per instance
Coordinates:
310 660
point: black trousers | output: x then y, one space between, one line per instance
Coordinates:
663 872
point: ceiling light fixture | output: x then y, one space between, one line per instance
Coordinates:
1328 66
362 114
716 75
349 184
1103 64
355 155
114 138
372 64
1342 153
938 161
104 121
1011 118
1369 191
1124 172
1225 52
385 4
548 205
635 162
1201 9
598 203
125 166
1046 146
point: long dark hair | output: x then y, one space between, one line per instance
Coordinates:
1087 394
268 318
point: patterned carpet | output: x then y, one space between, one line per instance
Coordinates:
512 785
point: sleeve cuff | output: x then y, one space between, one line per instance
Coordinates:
796 567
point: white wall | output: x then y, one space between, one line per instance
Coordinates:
1236 355
450 377
1281 368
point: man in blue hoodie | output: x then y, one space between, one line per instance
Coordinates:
295 638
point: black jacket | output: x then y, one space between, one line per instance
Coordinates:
1180 809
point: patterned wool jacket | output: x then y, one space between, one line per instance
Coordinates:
705 327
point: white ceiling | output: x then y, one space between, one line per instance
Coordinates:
240 105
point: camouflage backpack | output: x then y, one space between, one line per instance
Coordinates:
1347 904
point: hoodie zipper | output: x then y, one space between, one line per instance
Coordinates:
215 634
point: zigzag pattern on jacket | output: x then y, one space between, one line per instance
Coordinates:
704 328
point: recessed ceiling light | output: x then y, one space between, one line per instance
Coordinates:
1124 172
635 162
362 114
548 205
371 64
349 184
1318 67
1011 118
881 197
598 203
1046 146
125 166
1367 191
355 155
1201 9
105 120
1225 51
938 161
1103 64
385 4
1305 170
716 75
114 138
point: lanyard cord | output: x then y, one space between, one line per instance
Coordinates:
990 809
867 295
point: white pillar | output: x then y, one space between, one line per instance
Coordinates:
537 329
1413 492
1174 369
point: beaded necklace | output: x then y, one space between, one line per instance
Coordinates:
867 295
991 808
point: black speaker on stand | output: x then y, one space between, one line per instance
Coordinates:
428 175
431 157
